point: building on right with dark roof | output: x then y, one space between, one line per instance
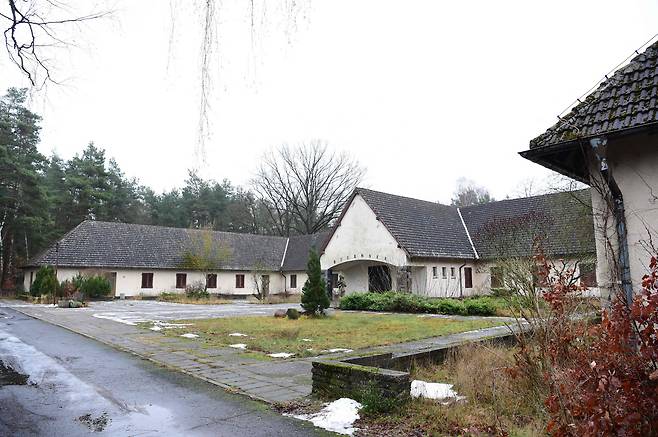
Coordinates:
609 141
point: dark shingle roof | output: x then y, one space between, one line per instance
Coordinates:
508 227
627 100
121 245
423 229
299 247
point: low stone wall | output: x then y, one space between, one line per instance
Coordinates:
336 379
386 372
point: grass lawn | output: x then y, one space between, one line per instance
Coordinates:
341 330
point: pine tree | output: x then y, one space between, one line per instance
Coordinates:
314 293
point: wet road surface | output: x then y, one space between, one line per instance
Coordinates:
77 386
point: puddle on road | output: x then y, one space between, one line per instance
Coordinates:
97 424
9 376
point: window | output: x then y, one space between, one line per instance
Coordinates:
588 275
435 272
211 280
293 281
181 280
496 277
239 281
452 272
444 272
147 280
468 277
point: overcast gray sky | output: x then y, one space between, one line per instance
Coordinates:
420 92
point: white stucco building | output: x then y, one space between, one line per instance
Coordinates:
383 241
610 142
144 260
380 242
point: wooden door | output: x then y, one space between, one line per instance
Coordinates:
468 277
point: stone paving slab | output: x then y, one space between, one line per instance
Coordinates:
270 381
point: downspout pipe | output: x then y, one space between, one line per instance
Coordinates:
600 151
461 285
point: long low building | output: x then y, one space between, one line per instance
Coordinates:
380 242
148 260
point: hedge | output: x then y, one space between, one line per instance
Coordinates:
411 303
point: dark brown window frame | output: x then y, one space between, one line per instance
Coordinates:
181 283
239 280
211 280
147 280
293 281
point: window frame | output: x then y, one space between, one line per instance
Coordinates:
444 272
293 281
435 272
588 278
211 284
239 280
181 283
148 283
453 274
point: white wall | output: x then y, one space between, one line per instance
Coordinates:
129 281
634 164
360 236
425 283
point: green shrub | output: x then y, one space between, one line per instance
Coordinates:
197 290
481 306
374 401
45 282
292 314
93 287
411 303
314 293
168 296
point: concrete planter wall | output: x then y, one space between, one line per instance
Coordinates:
336 379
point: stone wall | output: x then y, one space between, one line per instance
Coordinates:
336 379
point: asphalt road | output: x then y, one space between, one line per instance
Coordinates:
77 386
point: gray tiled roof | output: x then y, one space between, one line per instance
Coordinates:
509 227
298 249
627 100
423 229
121 245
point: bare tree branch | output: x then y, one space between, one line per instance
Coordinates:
28 33
304 188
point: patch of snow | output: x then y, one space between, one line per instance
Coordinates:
237 334
306 339
190 335
155 328
113 317
167 325
238 346
338 416
281 355
338 349
434 390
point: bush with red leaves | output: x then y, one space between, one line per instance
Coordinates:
603 380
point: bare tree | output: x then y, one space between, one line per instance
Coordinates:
32 27
205 253
469 193
304 188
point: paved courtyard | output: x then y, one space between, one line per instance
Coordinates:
114 323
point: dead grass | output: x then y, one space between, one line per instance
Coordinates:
497 404
341 330
277 298
182 298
